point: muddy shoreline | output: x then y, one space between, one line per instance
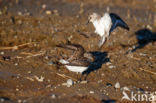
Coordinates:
29 34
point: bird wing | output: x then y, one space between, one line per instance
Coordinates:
117 21
78 49
79 62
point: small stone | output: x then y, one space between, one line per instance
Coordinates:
70 82
19 101
56 12
149 27
117 85
16 64
50 63
140 89
2 53
99 81
142 54
91 92
111 66
24 101
19 22
125 89
44 6
2 99
108 84
48 12
84 82
46 57
17 89
53 96
19 13
102 74
108 63
29 72
64 84
133 47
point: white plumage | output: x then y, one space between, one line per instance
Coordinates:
77 69
106 24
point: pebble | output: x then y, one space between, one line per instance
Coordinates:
2 53
108 63
142 54
19 101
19 22
91 92
24 101
64 84
108 84
48 12
125 89
53 96
44 6
2 99
55 11
111 67
19 13
29 72
102 74
140 89
46 57
69 82
50 63
133 46
99 81
16 64
84 82
117 85
149 27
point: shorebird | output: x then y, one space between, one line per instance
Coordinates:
79 61
105 24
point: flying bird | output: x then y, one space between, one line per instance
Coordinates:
79 61
105 24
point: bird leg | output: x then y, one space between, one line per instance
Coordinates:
101 41
85 78
79 77
72 56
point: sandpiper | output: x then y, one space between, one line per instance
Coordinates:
79 61
105 24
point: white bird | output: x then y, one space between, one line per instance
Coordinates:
79 61
106 24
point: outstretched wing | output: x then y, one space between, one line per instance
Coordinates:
117 21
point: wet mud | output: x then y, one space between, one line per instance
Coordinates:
30 31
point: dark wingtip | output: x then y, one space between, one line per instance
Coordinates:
128 28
